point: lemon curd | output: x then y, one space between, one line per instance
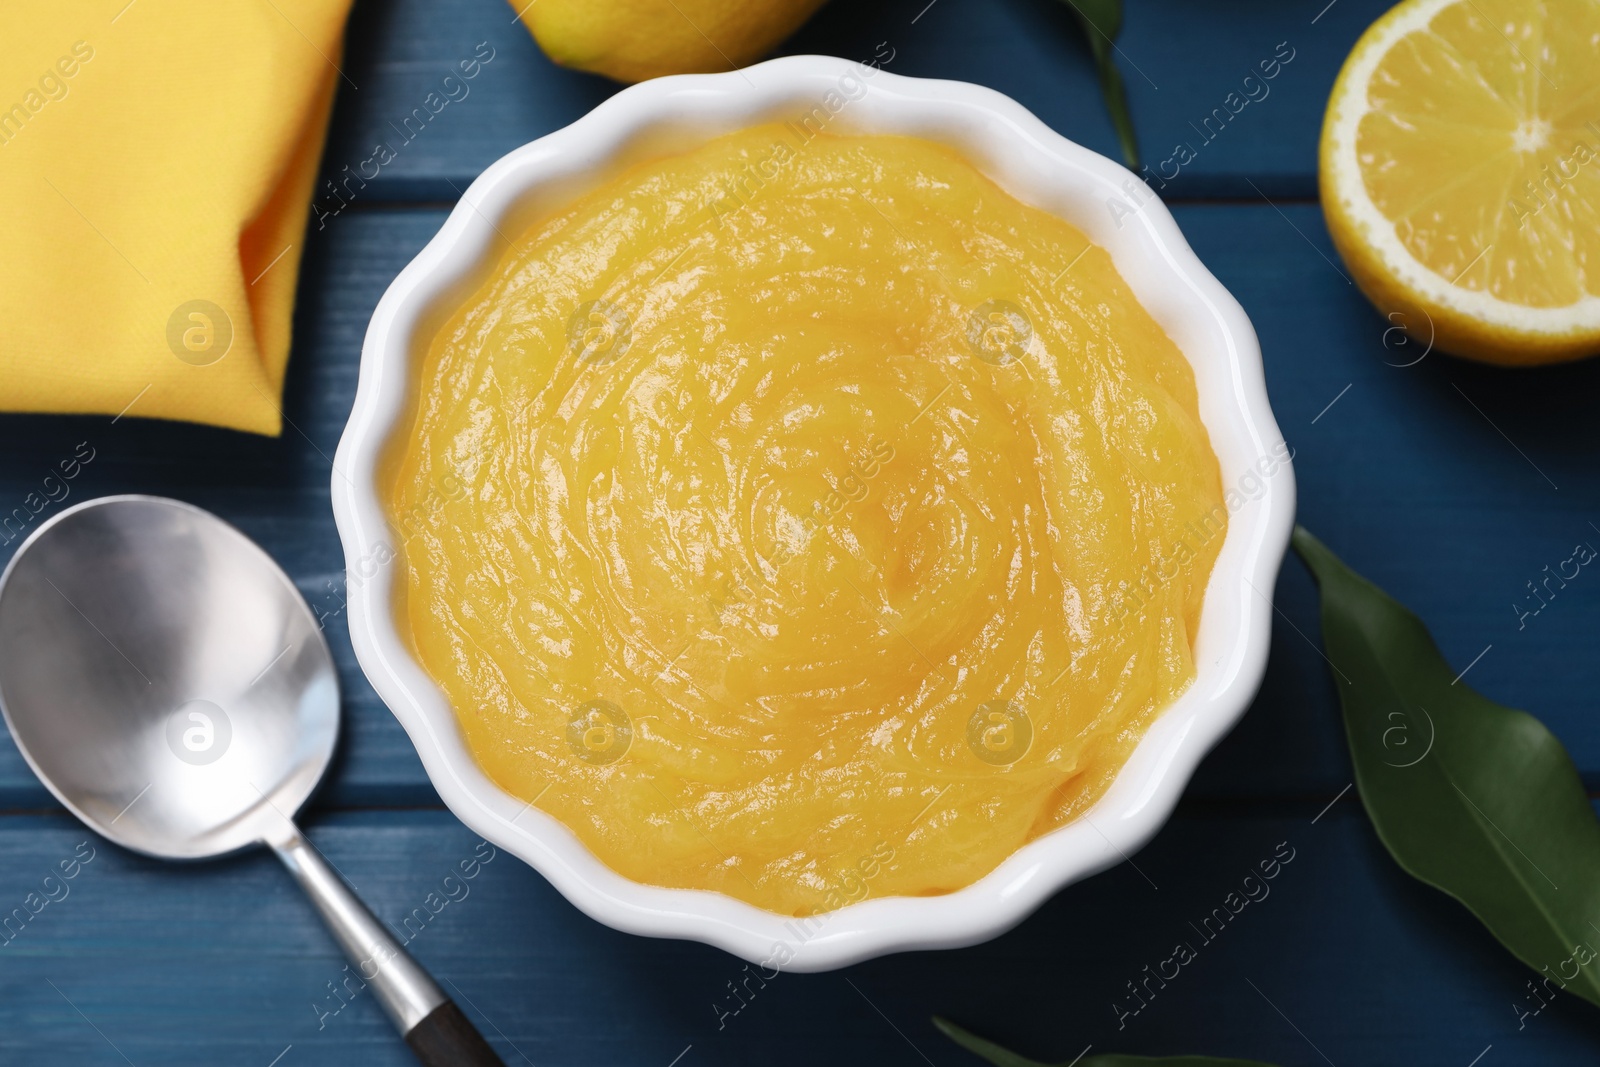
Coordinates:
803 518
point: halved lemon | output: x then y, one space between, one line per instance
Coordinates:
1460 175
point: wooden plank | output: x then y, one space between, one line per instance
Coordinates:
1180 61
1451 484
223 963
1407 474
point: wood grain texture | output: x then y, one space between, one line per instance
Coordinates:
1180 60
224 963
1451 485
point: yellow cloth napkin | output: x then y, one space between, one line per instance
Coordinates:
157 160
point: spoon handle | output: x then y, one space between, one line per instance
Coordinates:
432 1025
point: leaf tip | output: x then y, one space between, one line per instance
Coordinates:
1303 539
982 1047
1312 552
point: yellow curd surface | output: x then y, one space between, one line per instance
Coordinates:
804 518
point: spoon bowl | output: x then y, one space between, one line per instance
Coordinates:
166 681
164 678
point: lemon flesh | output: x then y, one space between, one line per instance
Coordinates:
1460 175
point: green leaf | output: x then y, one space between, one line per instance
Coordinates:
982 1047
1102 15
1003 1058
1101 21
1473 798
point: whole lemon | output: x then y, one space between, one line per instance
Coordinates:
631 40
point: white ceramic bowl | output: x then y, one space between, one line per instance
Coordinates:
1037 166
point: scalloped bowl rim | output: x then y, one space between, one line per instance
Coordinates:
1038 166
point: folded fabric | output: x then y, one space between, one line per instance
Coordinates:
157 159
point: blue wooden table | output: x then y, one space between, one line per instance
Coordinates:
1452 485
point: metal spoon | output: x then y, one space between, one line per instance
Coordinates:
166 681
